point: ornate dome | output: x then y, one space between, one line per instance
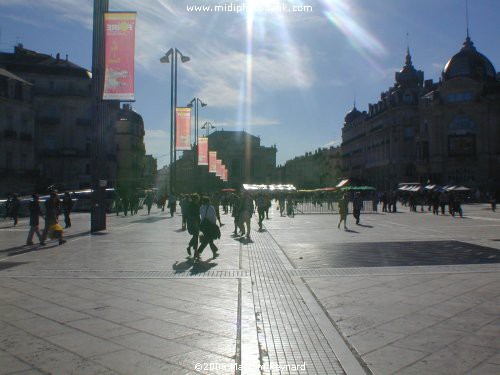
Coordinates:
469 63
352 115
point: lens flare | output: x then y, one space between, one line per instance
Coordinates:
342 15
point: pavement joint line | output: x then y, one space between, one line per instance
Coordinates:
287 323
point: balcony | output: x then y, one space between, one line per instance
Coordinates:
26 137
10 134
83 122
47 120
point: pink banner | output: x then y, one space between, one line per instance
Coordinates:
183 128
212 161
202 151
224 174
218 173
119 44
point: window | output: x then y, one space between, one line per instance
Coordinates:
8 160
23 161
457 97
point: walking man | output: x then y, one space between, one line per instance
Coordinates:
357 205
67 205
35 213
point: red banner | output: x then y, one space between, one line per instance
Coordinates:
119 44
218 173
212 161
202 151
183 128
224 174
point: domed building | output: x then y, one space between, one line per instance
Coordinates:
445 132
379 145
459 137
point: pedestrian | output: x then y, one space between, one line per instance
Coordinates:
209 228
149 202
52 208
35 213
357 205
493 202
216 206
289 206
172 203
261 209
236 213
267 205
67 205
15 204
193 221
117 204
7 207
343 211
246 210
183 204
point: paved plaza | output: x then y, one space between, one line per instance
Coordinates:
402 293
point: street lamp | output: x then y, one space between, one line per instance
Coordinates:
194 104
173 53
208 125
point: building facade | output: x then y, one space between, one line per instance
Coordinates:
17 133
444 132
130 151
62 106
321 168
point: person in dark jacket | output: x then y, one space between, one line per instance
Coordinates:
193 221
210 231
14 208
35 213
67 205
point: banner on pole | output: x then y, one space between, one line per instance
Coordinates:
119 45
212 161
224 174
202 151
183 128
218 172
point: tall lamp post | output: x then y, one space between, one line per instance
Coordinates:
173 53
208 125
194 104
99 115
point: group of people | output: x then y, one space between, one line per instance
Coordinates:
53 206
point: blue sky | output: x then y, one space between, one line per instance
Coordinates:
289 77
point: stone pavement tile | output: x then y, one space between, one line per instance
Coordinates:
410 323
130 362
61 314
156 312
152 345
211 363
446 309
10 364
83 344
59 361
429 298
469 322
389 359
114 314
485 369
490 307
453 359
495 359
210 342
41 327
19 342
160 328
373 339
10 313
100 328
205 323
430 339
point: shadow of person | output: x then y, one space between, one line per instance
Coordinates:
244 240
365 226
202 266
180 267
351 231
